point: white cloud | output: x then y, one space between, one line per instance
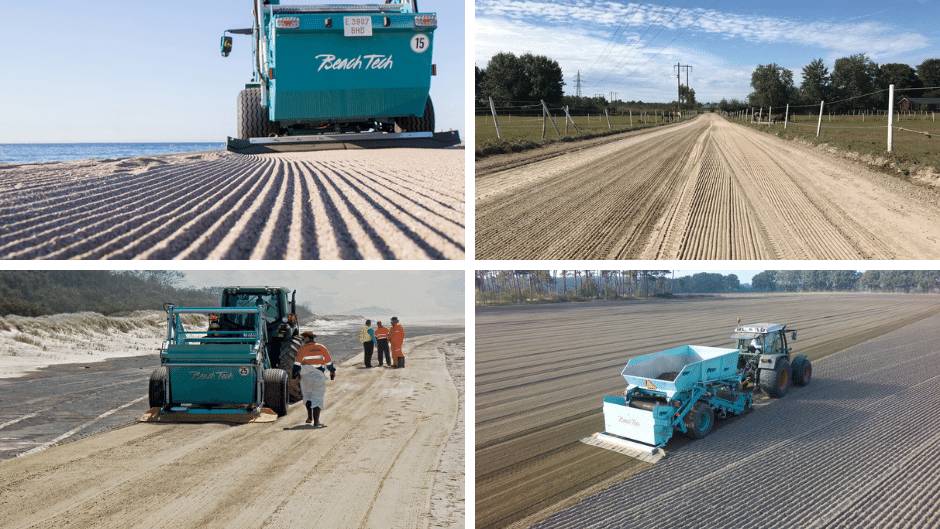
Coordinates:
577 34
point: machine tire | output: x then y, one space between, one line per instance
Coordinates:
699 421
275 390
157 393
252 117
802 370
415 124
288 354
776 382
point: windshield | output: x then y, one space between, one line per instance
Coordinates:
244 299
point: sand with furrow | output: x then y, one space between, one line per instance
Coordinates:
853 437
355 204
700 189
386 459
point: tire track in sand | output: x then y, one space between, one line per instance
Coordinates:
380 204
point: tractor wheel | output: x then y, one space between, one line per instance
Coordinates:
699 421
157 388
776 382
415 124
288 354
802 370
252 117
275 390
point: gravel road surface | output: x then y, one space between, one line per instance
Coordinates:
703 189
378 463
542 373
858 447
353 204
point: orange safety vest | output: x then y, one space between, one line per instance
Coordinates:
312 354
397 334
381 333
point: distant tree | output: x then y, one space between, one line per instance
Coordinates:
478 89
928 72
901 76
816 83
790 280
844 280
504 79
853 81
546 80
687 97
765 281
773 87
529 78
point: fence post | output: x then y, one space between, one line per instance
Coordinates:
890 117
631 118
786 116
495 120
819 125
544 112
608 118
568 115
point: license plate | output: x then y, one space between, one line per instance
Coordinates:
357 26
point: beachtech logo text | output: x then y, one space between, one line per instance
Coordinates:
367 62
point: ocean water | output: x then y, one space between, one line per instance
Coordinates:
17 153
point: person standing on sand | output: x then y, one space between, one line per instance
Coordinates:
381 339
367 337
310 365
396 335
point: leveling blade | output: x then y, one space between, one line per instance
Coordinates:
363 140
649 454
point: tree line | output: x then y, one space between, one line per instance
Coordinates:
520 286
539 286
526 80
41 292
856 83
907 281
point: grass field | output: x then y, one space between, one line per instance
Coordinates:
868 137
519 129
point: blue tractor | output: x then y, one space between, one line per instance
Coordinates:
338 76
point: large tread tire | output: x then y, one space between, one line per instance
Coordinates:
252 117
275 390
802 370
425 123
157 393
776 382
700 420
286 362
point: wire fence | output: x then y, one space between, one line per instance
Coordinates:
525 121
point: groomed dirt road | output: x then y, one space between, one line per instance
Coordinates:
703 189
352 204
542 374
390 456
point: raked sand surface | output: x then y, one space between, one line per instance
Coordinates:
392 454
344 204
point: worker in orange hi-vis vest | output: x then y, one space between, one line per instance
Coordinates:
310 364
396 335
381 340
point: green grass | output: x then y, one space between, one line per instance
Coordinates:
521 133
869 137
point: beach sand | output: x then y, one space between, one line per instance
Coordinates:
391 456
350 204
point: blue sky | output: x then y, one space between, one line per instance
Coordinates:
632 48
131 71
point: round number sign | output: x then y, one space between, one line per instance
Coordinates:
420 43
